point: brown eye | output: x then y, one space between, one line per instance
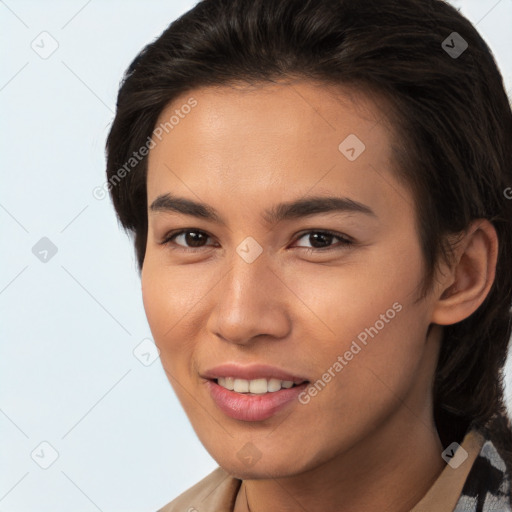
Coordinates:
190 238
320 240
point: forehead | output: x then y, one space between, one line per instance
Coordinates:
291 111
271 140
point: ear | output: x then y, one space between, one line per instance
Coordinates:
465 285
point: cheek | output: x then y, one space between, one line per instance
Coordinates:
366 313
157 303
168 303
170 293
342 301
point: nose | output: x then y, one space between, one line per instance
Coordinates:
250 301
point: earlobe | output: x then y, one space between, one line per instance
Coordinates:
468 282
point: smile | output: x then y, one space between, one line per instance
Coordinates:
254 386
248 406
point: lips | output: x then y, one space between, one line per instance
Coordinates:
247 406
252 372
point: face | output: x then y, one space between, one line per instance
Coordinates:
323 292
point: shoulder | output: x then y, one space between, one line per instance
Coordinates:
216 492
488 486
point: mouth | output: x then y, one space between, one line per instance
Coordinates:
255 387
254 400
241 378
253 392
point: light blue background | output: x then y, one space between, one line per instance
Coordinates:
69 326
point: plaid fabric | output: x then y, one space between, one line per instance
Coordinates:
488 486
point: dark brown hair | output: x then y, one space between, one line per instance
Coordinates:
453 140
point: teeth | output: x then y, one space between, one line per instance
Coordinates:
274 385
255 386
258 386
241 386
229 383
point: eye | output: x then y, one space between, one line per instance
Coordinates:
193 237
322 240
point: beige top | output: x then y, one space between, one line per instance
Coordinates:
217 491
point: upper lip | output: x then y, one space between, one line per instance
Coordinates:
251 372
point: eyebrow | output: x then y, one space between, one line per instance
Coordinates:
299 208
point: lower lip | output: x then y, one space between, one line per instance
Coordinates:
247 407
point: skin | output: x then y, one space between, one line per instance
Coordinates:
368 440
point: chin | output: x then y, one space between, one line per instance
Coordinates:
276 466
260 471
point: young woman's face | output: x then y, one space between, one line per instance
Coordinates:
323 292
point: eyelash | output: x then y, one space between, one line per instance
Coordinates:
344 241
